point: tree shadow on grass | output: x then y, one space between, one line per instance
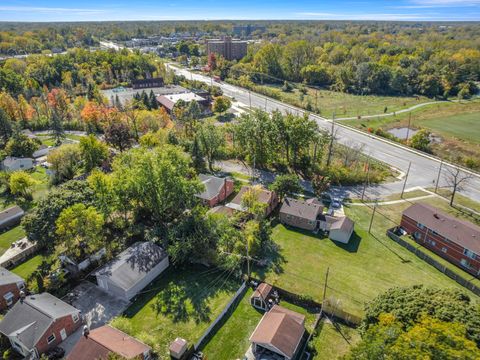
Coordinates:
352 246
183 294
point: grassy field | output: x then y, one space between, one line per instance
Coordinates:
178 303
231 341
344 105
28 267
41 188
8 237
359 271
333 341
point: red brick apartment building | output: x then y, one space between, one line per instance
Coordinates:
453 239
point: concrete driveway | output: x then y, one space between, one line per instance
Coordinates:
97 307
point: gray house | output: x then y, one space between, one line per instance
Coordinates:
301 214
11 216
12 163
132 270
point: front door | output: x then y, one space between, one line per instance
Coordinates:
63 334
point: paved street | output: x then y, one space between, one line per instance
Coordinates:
424 169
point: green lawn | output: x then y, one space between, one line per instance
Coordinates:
333 341
461 126
231 341
28 267
180 303
359 271
41 188
8 237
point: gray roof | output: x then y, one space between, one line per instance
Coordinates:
12 211
133 264
343 224
30 319
7 277
10 160
301 209
213 186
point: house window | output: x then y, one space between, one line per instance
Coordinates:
289 217
417 235
420 226
431 242
444 249
8 298
75 317
465 263
51 338
469 253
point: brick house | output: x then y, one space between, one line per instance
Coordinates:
216 189
38 323
99 343
301 214
267 197
453 239
10 286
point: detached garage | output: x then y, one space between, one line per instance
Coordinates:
132 270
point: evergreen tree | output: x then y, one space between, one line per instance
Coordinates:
145 100
153 101
5 127
58 131
197 155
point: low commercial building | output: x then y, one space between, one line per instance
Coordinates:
132 270
12 163
216 190
99 343
279 334
38 323
455 240
11 216
227 48
147 83
169 101
10 287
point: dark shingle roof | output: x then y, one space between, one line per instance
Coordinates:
458 231
8 213
29 319
133 264
213 186
301 209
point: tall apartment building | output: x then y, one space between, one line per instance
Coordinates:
228 48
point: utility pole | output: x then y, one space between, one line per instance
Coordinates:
330 147
408 127
406 177
325 287
371 219
250 99
438 176
366 178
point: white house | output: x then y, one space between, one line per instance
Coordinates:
12 163
133 270
341 230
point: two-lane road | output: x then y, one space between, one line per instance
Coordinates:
423 170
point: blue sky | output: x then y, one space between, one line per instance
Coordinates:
91 10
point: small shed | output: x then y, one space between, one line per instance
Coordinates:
260 296
178 349
132 270
341 230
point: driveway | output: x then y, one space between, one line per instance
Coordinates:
97 307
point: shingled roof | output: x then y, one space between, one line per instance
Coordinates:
301 209
281 329
7 277
461 232
213 186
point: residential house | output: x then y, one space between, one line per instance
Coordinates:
341 230
38 323
267 197
455 240
279 333
301 214
260 296
132 270
12 163
11 216
169 101
43 151
99 343
10 287
216 189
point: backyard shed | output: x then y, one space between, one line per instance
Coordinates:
132 270
341 230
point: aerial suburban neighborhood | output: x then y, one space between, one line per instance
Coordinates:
302 189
